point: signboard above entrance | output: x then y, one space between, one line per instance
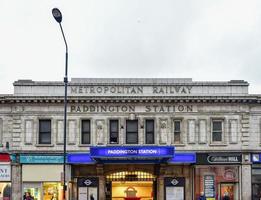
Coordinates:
219 158
40 159
132 151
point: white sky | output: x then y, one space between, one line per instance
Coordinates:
200 39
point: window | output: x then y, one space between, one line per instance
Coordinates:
132 131
149 131
86 132
45 131
217 129
114 131
177 131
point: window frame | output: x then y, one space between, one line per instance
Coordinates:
118 131
222 130
126 131
180 131
148 132
40 132
81 132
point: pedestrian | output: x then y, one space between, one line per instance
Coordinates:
226 196
28 196
202 196
92 197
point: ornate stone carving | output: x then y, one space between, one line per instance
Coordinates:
100 131
163 131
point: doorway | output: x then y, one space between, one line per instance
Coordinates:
130 185
230 189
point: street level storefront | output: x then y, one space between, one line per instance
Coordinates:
256 176
41 176
217 174
132 172
5 176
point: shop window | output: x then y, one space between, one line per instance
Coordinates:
256 183
45 131
114 131
86 131
217 181
52 190
217 130
5 191
177 131
149 131
132 131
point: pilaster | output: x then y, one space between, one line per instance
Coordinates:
246 181
100 174
16 181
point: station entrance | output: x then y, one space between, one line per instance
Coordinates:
131 185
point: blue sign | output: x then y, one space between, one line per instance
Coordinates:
183 158
132 151
256 158
84 158
41 159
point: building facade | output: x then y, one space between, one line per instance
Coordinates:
129 139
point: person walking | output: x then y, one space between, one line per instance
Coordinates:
226 196
202 196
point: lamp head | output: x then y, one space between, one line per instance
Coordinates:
57 15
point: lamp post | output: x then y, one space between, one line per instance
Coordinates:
58 17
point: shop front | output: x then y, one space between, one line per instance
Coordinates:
129 173
41 176
5 177
256 176
217 175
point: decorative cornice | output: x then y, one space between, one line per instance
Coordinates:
250 99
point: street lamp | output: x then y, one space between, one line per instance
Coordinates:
58 17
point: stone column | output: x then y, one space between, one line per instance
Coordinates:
160 188
160 182
246 180
101 177
16 181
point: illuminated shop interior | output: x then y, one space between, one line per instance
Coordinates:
131 185
46 191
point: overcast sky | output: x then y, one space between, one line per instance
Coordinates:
205 40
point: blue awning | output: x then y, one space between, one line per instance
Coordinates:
183 158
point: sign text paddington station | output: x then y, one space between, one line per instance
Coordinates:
131 90
102 108
133 151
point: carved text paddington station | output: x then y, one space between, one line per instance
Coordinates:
128 90
131 108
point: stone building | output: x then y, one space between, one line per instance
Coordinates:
129 139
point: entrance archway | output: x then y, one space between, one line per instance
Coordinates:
130 185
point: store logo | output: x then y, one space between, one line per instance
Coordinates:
223 159
229 175
255 158
174 182
88 182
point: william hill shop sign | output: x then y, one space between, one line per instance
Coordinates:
220 158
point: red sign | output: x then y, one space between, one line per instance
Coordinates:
4 157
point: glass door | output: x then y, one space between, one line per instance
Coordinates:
229 189
256 191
